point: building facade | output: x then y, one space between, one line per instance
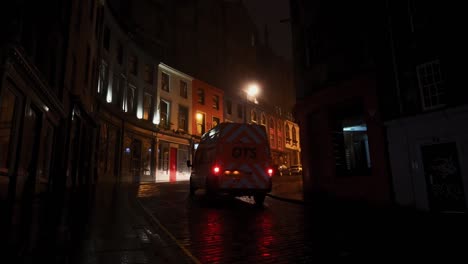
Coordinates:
126 96
342 132
208 108
426 115
174 118
46 124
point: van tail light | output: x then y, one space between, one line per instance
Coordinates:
216 170
270 172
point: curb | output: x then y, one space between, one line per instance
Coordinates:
295 201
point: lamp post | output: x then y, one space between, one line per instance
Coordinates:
251 90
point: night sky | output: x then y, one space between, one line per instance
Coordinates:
267 12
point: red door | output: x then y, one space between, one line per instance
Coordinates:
173 165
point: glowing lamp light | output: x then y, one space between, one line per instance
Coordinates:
252 89
199 116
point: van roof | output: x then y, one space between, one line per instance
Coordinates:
229 132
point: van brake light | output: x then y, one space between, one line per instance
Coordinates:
270 172
216 170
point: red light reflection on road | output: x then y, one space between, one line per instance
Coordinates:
265 238
212 247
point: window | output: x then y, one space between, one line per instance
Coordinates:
122 86
294 136
215 122
183 89
239 111
8 106
288 134
280 142
254 116
200 121
201 96
147 102
119 53
148 74
165 82
229 107
183 118
164 113
106 38
431 85
272 141
216 102
272 123
116 90
350 146
263 119
103 75
131 98
133 64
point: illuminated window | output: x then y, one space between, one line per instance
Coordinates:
200 121
351 145
147 102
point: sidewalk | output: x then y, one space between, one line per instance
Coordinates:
287 188
120 232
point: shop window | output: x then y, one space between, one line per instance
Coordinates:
351 146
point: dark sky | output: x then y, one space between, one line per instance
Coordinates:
270 12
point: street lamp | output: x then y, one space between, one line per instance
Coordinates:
252 91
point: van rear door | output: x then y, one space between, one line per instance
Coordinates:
244 158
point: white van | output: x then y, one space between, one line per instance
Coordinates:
233 158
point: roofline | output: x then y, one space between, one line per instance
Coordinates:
169 68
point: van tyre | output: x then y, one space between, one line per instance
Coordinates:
259 199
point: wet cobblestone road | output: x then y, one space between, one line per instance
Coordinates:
230 230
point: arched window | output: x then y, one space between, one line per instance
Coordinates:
272 123
294 137
253 114
288 134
